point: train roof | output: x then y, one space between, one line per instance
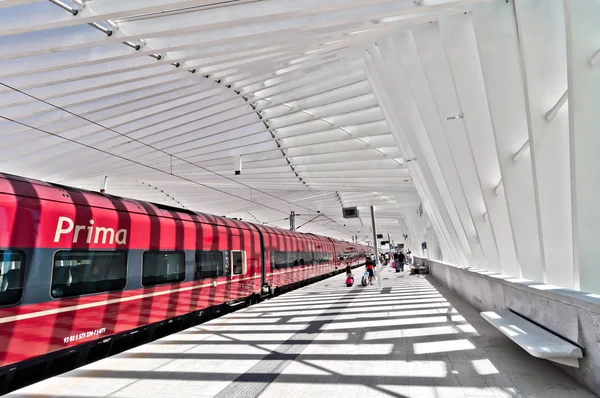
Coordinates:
22 186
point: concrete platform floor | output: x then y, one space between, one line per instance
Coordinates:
412 339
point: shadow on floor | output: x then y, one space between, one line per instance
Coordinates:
417 339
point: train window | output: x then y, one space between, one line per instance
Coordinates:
308 258
163 267
300 258
293 259
209 265
84 272
322 257
11 276
279 260
238 262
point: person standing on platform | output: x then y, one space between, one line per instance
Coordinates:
400 261
371 271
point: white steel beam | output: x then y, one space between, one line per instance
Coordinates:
382 82
496 31
433 90
542 40
459 38
583 37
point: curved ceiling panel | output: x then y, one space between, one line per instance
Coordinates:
436 112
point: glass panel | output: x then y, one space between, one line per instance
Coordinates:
301 258
322 258
293 259
308 258
237 259
209 265
279 260
11 276
84 272
163 267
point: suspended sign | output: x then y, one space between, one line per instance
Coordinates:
350 212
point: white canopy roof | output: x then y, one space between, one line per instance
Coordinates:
423 108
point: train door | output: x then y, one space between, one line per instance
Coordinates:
263 260
236 270
237 263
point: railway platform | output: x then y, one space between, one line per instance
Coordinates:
413 338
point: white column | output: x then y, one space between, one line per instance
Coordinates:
377 269
542 37
583 42
398 104
461 45
498 43
421 174
448 132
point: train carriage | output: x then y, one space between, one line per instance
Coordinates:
292 257
79 266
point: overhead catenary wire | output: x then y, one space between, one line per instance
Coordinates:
151 147
140 163
144 144
111 25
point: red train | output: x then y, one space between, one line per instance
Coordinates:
79 269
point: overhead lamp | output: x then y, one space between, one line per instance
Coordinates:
104 184
237 164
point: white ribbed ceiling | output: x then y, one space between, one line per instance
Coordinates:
280 83
448 116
